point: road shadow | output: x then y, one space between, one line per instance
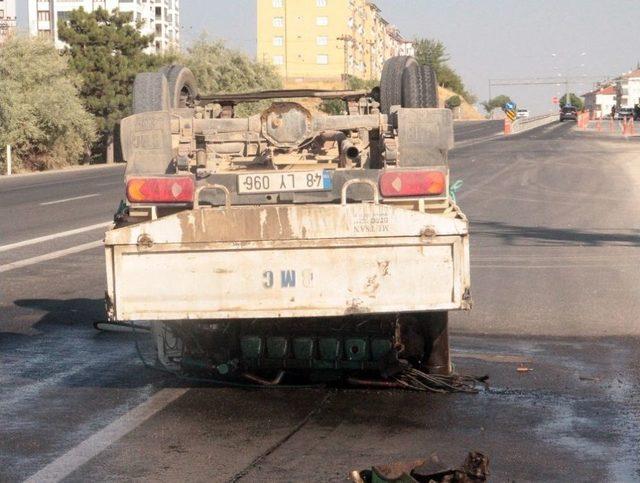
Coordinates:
544 236
64 346
69 312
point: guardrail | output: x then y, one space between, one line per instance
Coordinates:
524 124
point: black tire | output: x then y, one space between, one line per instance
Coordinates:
182 85
391 81
150 93
419 87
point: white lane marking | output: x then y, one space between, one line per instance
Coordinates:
65 465
49 256
70 199
53 236
559 266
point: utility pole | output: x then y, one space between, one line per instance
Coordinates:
345 40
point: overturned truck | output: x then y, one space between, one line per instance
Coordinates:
290 240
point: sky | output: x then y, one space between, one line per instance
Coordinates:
486 39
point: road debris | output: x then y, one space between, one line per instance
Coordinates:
587 378
522 369
474 469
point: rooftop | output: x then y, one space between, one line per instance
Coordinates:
606 90
630 74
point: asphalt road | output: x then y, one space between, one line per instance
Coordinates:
555 279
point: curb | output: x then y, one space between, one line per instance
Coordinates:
71 169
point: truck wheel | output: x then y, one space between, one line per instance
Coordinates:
391 81
435 328
182 86
150 93
419 87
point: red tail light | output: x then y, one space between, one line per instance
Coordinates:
161 190
412 183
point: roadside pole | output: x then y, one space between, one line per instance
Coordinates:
8 159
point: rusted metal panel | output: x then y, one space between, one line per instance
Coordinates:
180 283
424 136
146 139
289 222
287 261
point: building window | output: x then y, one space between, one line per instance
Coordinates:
321 3
278 3
278 21
43 15
278 60
322 40
2 13
278 41
63 16
322 21
322 59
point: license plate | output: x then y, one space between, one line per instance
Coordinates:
284 181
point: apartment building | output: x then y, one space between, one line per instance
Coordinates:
7 18
600 101
322 41
160 18
628 89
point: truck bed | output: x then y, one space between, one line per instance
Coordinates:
287 261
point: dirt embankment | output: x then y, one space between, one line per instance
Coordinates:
465 112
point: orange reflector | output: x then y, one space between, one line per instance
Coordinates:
161 190
412 183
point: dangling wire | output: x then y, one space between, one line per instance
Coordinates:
454 188
418 380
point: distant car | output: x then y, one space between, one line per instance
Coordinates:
568 112
624 113
522 113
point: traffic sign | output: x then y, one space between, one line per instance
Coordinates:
555 100
509 109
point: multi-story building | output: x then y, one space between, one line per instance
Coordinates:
323 41
7 18
628 89
160 18
600 101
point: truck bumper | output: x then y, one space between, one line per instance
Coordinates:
287 261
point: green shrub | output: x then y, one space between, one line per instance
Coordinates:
41 114
453 102
219 69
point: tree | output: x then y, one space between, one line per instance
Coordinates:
434 53
431 52
495 103
574 101
223 70
41 114
107 51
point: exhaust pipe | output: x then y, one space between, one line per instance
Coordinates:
349 150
